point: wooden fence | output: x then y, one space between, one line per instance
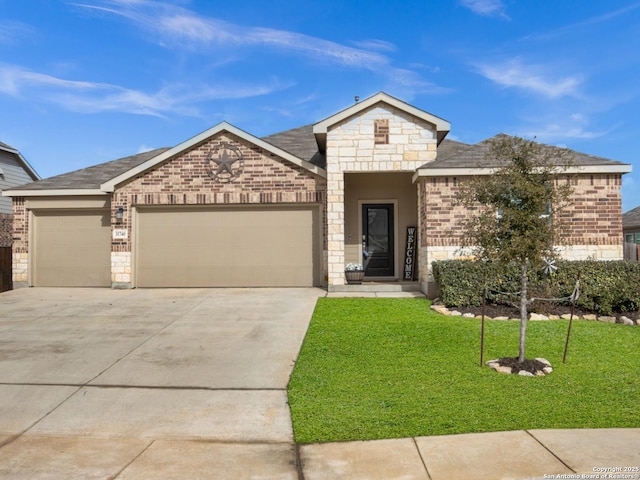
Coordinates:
6 282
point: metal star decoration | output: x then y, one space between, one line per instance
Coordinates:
225 163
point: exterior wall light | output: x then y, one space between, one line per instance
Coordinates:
119 215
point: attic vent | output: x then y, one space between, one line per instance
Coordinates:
381 132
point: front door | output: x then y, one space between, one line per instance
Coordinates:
377 239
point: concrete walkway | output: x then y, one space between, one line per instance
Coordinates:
189 384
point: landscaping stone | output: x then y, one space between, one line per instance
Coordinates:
607 319
440 309
501 318
567 316
524 373
554 317
589 316
543 360
538 316
626 320
497 367
456 313
469 315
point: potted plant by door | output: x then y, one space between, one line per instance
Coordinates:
354 273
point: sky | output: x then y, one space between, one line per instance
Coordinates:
88 81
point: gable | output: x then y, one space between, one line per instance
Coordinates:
320 129
381 138
223 163
203 138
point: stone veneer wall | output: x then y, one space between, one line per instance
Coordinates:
594 221
351 149
184 181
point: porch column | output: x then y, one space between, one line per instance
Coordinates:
335 226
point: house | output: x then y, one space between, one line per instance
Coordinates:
631 231
14 170
226 208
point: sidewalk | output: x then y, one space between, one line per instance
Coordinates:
535 454
519 455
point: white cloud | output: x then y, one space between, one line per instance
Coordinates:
11 31
589 22
178 27
373 44
144 148
574 126
176 24
530 77
93 97
487 8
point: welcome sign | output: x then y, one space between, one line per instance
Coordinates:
409 255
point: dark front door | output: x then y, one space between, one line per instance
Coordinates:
377 239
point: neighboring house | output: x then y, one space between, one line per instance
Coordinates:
14 170
226 208
631 230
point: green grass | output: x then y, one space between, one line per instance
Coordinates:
391 368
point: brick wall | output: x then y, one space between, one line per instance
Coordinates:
593 218
593 221
595 215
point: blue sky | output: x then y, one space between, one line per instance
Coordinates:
88 81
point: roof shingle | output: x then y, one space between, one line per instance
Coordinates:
91 177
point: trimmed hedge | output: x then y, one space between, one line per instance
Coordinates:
605 287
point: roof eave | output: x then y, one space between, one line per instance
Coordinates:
26 165
465 172
53 192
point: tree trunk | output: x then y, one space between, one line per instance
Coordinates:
524 301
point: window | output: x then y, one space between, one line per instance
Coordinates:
628 238
381 132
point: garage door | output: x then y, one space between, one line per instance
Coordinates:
72 248
225 247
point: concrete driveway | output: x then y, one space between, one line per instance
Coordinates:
99 383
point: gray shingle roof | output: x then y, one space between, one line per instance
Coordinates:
91 177
474 156
631 219
450 147
300 142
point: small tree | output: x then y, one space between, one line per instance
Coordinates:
517 210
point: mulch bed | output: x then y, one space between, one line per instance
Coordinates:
532 366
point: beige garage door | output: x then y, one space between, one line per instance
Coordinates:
225 247
72 248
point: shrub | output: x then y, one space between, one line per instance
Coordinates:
605 286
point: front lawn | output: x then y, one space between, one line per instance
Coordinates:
390 368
